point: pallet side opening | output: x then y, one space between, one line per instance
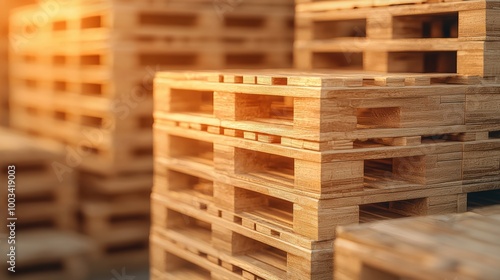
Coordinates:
392 210
422 62
393 172
168 19
443 25
323 30
265 167
191 101
191 150
338 60
192 185
273 110
482 199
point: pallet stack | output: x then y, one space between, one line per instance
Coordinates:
4 44
258 168
45 208
84 79
422 36
399 36
6 6
255 170
440 247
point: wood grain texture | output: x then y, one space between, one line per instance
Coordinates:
421 248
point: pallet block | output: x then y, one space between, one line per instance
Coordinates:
48 260
42 199
120 228
438 247
482 163
457 37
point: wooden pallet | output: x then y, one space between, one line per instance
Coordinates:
40 256
439 247
297 221
120 228
369 106
458 37
174 22
346 172
42 199
229 254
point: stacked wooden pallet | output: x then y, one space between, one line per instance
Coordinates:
4 47
41 212
85 80
67 92
258 168
461 246
399 36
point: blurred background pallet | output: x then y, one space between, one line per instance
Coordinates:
462 246
47 245
120 227
457 37
49 255
5 42
41 198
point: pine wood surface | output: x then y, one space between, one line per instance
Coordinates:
433 247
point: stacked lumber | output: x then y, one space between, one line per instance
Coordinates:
254 170
41 212
463 246
454 36
85 80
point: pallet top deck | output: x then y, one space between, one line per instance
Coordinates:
311 84
466 244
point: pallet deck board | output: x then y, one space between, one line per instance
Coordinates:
445 239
